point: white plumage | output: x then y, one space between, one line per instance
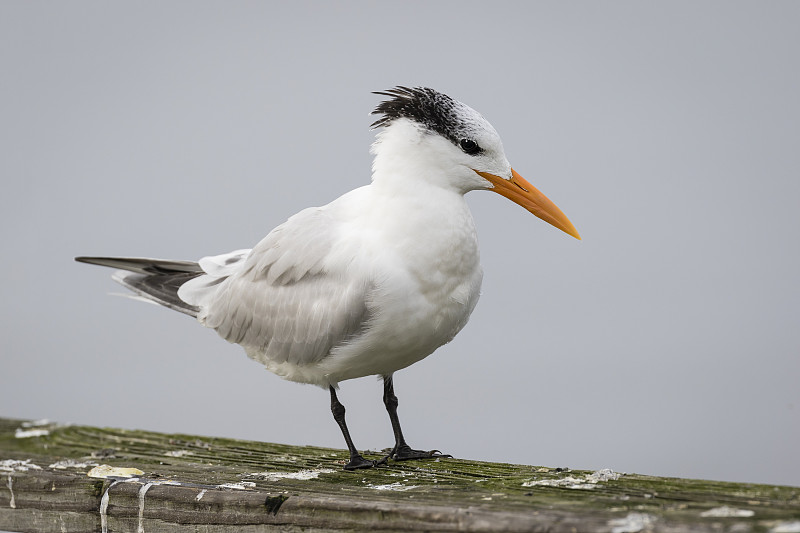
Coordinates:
374 281
368 284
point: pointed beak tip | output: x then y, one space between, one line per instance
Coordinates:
572 231
565 226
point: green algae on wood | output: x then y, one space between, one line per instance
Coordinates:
226 485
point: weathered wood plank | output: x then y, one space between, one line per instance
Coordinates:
190 483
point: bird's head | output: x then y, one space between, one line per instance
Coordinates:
427 130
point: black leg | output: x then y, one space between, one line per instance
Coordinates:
401 451
356 461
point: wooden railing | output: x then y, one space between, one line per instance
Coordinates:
76 479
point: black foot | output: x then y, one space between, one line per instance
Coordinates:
404 453
357 462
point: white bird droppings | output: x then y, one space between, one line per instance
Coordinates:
302 475
633 523
142 491
71 463
786 527
34 428
727 512
12 465
104 499
179 453
571 482
104 509
27 433
396 486
606 474
244 485
11 503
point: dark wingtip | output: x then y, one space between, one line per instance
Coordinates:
88 260
142 265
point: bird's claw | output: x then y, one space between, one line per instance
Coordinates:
357 462
404 453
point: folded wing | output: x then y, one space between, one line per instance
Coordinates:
290 299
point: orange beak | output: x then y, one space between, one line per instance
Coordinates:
523 193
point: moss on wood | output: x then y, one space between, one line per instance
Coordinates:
225 484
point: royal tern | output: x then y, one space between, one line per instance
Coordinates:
370 283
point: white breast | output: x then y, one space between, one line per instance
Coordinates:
422 252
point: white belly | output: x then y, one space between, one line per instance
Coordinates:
411 331
428 291
422 275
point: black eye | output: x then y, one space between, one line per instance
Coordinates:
469 146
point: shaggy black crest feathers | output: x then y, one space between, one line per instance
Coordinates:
427 107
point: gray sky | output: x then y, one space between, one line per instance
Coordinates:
667 342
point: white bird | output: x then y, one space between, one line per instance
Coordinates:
374 281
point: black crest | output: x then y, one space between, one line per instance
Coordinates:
432 109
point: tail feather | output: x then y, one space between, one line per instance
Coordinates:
143 265
157 280
160 288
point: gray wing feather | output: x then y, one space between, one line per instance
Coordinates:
286 302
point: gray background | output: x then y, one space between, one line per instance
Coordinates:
665 343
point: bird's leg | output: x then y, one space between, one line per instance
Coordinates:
356 461
401 450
